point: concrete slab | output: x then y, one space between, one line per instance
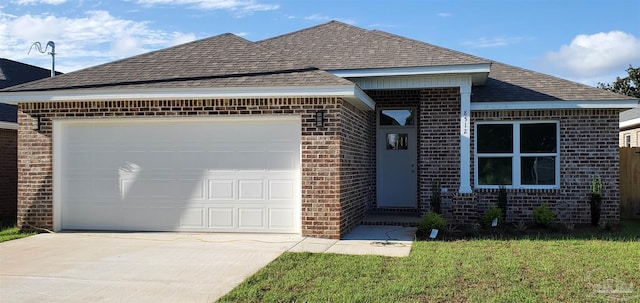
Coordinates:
391 241
162 267
132 267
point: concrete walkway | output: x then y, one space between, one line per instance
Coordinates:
391 241
160 267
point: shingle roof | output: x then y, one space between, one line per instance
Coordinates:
629 115
8 113
510 83
336 45
223 60
14 73
302 58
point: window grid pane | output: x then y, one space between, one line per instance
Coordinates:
532 154
496 138
495 170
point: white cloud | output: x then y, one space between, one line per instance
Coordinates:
589 57
444 15
484 42
239 7
95 38
27 2
181 38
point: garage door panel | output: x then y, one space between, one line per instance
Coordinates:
223 189
250 189
222 218
184 176
281 189
193 218
281 218
251 218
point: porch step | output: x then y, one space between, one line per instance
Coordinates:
406 218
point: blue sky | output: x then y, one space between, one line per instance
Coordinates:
588 41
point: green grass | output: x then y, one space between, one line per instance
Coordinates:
565 269
9 231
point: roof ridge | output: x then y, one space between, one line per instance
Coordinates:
310 28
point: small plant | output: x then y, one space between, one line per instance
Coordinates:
453 229
502 201
605 225
521 226
543 216
436 197
489 215
569 226
595 200
431 221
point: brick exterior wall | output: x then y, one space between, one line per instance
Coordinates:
588 141
588 147
635 137
8 174
357 165
322 155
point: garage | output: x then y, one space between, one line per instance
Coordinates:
223 174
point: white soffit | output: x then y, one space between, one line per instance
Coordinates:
8 125
478 72
527 105
351 93
630 123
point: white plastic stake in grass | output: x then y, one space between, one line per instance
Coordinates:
434 234
494 223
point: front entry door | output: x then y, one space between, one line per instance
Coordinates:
396 158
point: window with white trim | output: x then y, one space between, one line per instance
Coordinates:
517 154
627 140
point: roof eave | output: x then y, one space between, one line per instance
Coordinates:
479 72
351 93
633 123
559 104
8 125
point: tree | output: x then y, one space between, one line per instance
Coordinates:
629 86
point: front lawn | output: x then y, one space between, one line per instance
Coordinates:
602 268
9 231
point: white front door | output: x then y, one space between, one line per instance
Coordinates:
397 148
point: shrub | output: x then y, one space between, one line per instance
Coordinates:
430 221
502 201
595 200
543 216
491 213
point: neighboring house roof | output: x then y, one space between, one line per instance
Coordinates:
630 118
306 58
14 73
8 113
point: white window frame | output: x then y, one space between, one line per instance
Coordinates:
627 140
516 156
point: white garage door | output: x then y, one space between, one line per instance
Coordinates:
236 175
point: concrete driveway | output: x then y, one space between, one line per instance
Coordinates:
132 267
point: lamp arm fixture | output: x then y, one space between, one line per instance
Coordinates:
51 44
